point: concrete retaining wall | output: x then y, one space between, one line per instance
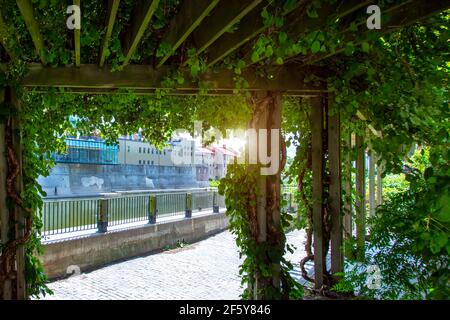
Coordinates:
73 179
95 250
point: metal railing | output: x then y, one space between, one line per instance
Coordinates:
70 215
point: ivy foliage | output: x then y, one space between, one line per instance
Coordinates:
398 81
240 188
409 239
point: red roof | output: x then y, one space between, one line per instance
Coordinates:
204 150
225 151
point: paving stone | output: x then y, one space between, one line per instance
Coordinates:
208 269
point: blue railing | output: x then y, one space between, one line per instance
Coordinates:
88 152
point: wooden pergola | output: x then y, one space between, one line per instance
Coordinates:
204 25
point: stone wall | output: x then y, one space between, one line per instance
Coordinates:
81 179
94 250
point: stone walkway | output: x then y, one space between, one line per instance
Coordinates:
208 269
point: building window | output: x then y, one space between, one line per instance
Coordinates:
152 151
128 148
143 150
139 161
148 161
164 152
152 162
148 151
140 149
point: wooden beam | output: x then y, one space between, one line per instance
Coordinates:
185 22
146 77
113 5
26 9
317 189
5 35
360 197
226 14
77 38
249 27
142 14
398 16
334 156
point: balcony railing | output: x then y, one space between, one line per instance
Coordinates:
61 216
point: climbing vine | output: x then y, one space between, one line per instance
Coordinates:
399 82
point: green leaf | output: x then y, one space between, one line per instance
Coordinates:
255 56
315 47
365 47
349 49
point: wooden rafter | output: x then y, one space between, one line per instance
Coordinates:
250 26
185 22
140 77
77 36
142 14
301 23
113 5
26 9
398 16
226 14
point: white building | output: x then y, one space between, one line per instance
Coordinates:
132 150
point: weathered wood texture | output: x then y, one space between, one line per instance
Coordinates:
113 5
267 116
140 77
226 14
249 27
192 13
5 290
317 127
12 228
372 206
361 197
26 9
142 14
348 221
379 185
398 15
77 36
335 204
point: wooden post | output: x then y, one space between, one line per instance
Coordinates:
215 202
317 189
334 158
274 180
20 213
267 116
12 218
379 185
360 194
372 184
348 223
188 212
152 209
5 290
102 223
